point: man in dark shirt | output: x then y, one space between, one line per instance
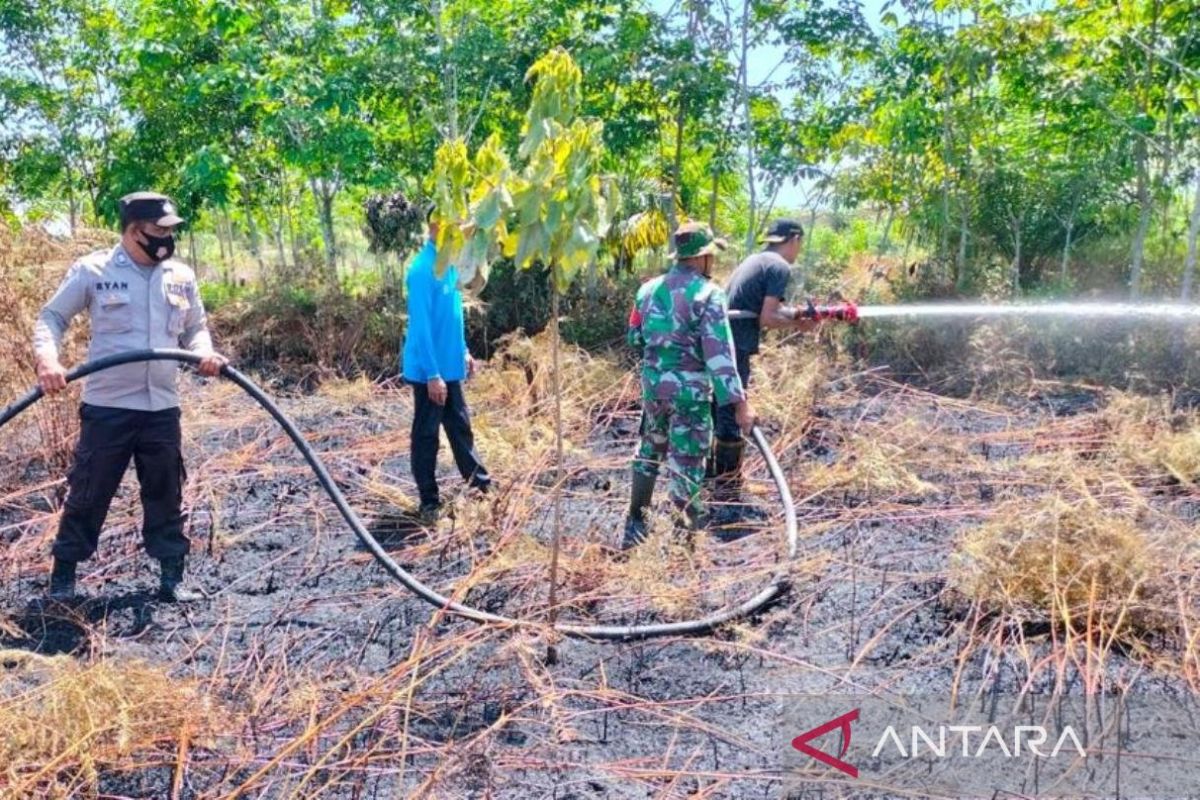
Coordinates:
756 292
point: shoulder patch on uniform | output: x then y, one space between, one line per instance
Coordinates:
93 262
649 287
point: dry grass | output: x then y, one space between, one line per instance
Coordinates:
65 721
1077 563
31 266
871 468
1179 453
513 407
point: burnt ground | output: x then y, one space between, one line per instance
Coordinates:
336 682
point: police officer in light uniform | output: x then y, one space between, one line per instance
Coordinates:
137 298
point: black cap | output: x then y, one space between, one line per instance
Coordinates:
780 230
150 207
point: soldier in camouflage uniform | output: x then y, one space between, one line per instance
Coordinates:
679 323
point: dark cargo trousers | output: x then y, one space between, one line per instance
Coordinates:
725 424
428 419
108 439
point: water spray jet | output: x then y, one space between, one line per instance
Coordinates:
1056 310
852 312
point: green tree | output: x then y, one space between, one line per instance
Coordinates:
59 102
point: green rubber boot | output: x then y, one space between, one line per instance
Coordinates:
640 495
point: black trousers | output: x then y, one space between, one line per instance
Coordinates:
428 419
725 426
108 438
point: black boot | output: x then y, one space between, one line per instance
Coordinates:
429 514
640 495
727 466
62 581
172 587
727 491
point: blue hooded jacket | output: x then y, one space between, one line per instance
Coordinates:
435 344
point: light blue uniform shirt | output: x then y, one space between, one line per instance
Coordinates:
131 308
435 344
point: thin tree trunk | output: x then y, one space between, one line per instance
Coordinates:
402 275
218 229
291 224
277 235
677 167
960 258
712 201
551 652
1142 160
681 117
252 229
324 199
947 139
229 240
752 226
667 199
1066 254
1189 263
1144 209
887 230
193 263
1016 262
72 203
285 219
449 74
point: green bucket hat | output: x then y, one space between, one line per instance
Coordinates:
693 239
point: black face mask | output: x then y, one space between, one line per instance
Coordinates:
158 248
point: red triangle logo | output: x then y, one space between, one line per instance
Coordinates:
801 743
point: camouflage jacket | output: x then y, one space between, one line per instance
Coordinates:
679 323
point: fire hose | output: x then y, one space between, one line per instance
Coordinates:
779 584
842 312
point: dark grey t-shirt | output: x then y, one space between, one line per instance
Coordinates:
760 276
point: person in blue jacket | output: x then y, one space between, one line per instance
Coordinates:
435 363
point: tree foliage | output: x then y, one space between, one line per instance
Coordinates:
987 132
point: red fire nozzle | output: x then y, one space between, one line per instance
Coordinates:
842 312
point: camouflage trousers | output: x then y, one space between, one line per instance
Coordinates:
681 432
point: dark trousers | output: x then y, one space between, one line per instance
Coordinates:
108 438
725 426
428 419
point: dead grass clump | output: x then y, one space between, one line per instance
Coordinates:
64 721
1075 564
787 380
514 417
1179 453
663 573
348 391
1145 435
873 468
998 360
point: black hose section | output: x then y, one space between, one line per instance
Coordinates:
779 583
